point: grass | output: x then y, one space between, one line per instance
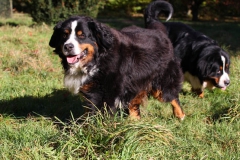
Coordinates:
39 119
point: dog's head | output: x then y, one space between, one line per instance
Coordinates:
79 41
214 66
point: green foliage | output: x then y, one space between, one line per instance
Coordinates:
52 11
209 9
124 7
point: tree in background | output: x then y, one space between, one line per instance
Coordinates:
209 9
229 7
187 7
124 7
6 8
195 5
51 11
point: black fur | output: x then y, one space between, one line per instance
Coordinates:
201 57
126 66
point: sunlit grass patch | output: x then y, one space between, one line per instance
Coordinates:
17 19
114 137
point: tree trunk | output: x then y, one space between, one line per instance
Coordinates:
195 8
6 8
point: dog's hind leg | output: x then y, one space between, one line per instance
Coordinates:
134 105
177 110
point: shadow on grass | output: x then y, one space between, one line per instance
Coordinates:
59 103
12 24
225 107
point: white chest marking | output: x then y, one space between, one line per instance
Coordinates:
193 80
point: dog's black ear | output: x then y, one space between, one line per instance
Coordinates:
56 36
102 34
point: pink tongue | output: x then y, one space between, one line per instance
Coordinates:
224 88
72 59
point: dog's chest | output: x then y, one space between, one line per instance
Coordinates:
73 82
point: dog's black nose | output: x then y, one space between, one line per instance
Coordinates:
227 82
68 47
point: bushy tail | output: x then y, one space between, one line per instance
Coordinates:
154 9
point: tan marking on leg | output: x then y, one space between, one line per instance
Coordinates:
134 110
201 95
145 101
157 94
177 111
199 92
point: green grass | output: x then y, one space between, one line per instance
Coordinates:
39 119
18 19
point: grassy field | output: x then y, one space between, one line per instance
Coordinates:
39 119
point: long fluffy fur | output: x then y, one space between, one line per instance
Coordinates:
124 67
204 63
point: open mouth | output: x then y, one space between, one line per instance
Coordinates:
76 58
222 88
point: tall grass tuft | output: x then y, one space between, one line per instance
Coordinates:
112 137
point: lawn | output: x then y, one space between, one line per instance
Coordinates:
39 119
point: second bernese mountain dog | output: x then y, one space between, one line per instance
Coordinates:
204 63
117 68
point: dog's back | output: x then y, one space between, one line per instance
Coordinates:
204 63
186 41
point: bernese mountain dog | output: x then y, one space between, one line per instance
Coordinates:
114 68
204 63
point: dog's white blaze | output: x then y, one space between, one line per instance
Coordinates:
224 76
193 80
75 77
72 39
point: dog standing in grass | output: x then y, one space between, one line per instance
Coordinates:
204 63
114 67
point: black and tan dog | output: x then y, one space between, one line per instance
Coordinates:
204 63
115 67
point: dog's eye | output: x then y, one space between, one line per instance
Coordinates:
82 36
220 70
66 33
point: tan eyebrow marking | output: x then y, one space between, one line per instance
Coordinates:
67 31
79 33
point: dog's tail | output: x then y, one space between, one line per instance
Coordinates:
154 9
